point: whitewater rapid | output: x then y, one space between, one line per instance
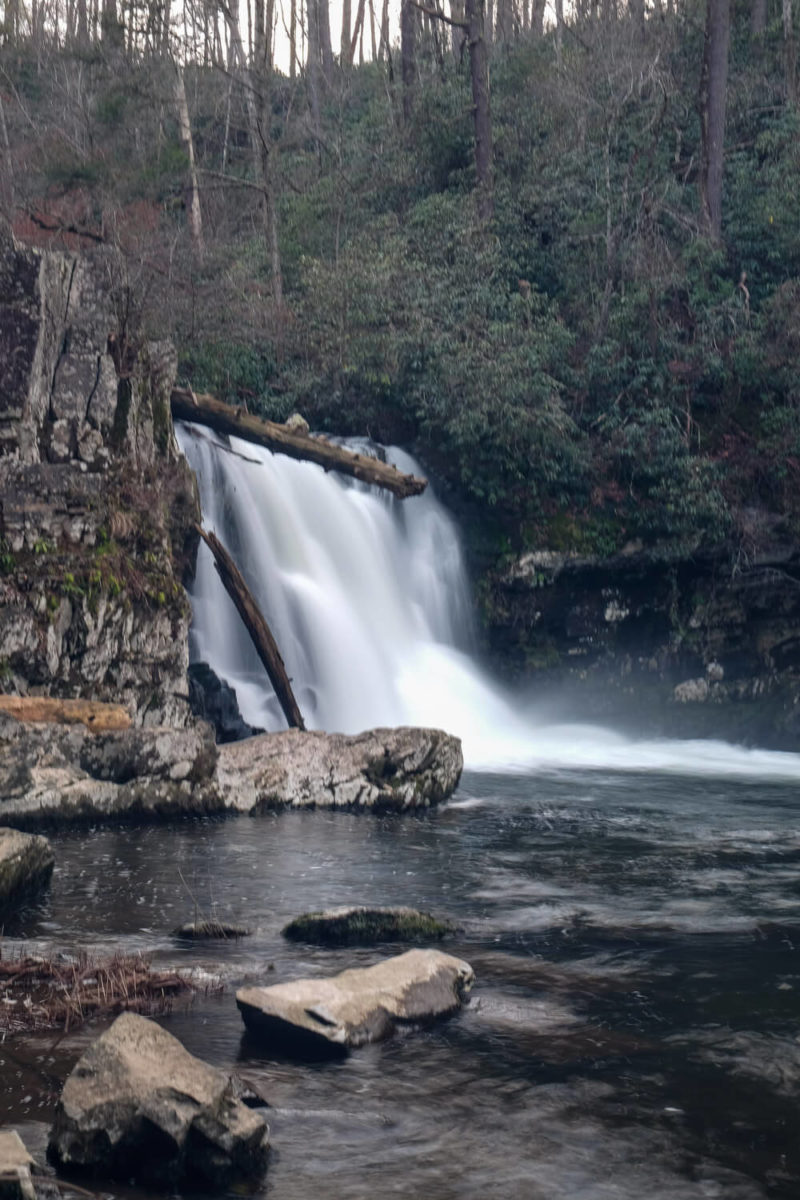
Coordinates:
369 602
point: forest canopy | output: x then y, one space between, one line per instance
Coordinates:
556 253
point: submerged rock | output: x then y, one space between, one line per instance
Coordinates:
26 864
210 929
362 926
139 1106
365 1004
387 769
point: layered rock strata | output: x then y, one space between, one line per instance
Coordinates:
96 510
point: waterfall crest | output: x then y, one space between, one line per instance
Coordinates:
368 600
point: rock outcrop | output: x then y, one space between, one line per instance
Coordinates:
361 1005
695 646
138 1106
392 769
26 864
96 510
57 774
363 926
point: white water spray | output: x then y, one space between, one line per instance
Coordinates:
368 600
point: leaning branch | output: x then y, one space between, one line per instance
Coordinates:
264 642
436 12
207 410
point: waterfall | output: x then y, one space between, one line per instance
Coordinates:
369 603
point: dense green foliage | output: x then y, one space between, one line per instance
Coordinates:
588 369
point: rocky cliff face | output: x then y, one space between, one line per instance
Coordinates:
695 646
96 510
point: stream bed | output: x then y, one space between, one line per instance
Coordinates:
633 1030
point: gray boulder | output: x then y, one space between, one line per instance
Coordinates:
139 1106
365 1004
362 926
388 769
26 864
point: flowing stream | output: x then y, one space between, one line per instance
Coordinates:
631 910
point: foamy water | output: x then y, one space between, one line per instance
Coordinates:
369 602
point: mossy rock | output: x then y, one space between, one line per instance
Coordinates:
26 864
210 929
361 926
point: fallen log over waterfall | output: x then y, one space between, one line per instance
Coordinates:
264 642
206 410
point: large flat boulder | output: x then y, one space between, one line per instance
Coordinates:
139 1106
67 774
364 1004
26 864
385 769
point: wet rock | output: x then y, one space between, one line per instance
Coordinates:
67 774
26 864
51 773
387 769
139 1106
691 691
16 1166
210 929
363 926
214 700
330 1016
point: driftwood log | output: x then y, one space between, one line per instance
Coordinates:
206 410
257 627
93 714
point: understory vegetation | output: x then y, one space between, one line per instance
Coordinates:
585 370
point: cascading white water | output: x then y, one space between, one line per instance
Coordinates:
369 603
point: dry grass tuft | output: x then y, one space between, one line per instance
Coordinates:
60 993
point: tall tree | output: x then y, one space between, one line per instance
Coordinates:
408 55
713 100
479 77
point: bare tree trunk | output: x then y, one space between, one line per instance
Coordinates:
537 18
459 30
505 21
790 53
559 24
194 214
408 55
313 70
479 74
636 9
293 40
325 45
713 98
358 32
384 42
347 17
373 31
758 17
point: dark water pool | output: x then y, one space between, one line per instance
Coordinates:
634 1030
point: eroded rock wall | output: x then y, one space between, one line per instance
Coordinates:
96 510
700 645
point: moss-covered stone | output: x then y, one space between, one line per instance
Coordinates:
363 926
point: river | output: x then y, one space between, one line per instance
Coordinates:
631 909
633 1027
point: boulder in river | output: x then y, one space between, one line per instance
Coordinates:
361 926
16 1166
383 769
138 1106
364 1004
26 864
210 927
